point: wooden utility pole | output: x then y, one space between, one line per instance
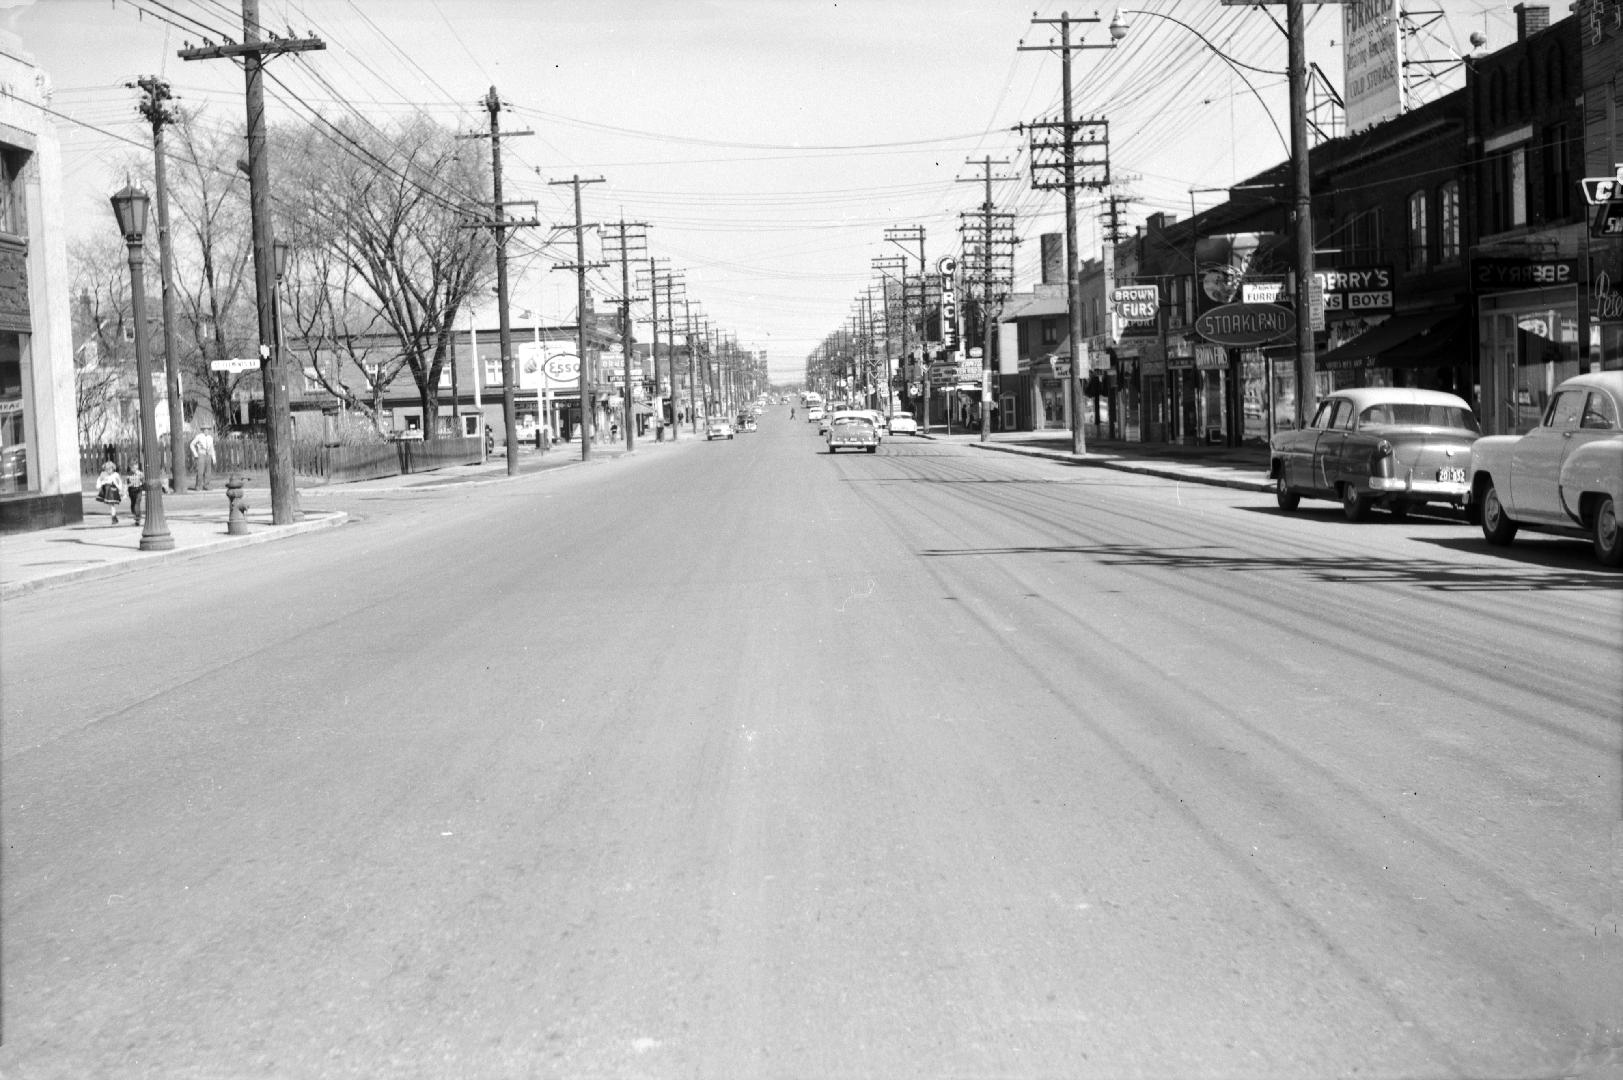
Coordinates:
1302 216
588 404
155 93
993 226
902 236
626 239
499 224
1073 134
272 368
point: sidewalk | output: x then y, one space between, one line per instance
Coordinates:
1241 467
94 548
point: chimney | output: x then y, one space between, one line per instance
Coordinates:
1053 248
1530 19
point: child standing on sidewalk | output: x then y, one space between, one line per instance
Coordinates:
110 488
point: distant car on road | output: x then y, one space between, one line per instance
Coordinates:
1565 476
718 427
1393 447
813 414
903 424
853 429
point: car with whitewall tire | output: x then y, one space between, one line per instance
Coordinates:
1565 476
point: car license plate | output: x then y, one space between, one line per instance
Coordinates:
1451 476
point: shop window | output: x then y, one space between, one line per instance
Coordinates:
1448 223
13 438
1419 242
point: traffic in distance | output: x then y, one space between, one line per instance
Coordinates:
1394 449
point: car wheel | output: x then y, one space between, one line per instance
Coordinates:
871 449
1608 545
1354 503
1398 510
1288 499
1497 528
831 449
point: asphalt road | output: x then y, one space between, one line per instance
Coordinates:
743 760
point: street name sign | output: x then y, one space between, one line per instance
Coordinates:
236 365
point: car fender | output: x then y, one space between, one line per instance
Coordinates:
1595 467
1490 456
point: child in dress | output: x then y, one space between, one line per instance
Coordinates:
110 488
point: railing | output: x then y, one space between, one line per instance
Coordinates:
334 464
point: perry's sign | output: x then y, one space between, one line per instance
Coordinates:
1245 325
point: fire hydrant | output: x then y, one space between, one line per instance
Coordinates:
236 524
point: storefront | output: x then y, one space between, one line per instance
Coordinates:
1051 394
1528 339
39 450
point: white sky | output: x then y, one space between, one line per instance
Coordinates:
767 143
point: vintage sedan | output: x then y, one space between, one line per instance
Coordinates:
1392 447
718 427
903 424
1565 476
852 429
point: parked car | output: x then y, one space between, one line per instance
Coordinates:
853 429
718 427
1565 476
1392 447
903 424
814 413
823 421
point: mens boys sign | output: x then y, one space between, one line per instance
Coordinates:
1363 290
1243 326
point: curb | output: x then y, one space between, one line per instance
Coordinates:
325 519
1161 471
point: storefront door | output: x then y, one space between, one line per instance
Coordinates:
1529 344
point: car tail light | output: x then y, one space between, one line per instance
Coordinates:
1381 459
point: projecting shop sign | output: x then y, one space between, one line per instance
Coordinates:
1245 325
1369 54
1362 290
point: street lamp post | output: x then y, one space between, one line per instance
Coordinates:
130 209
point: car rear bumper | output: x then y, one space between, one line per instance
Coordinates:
1420 490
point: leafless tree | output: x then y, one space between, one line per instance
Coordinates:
386 259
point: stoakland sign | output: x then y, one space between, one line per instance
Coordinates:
1246 325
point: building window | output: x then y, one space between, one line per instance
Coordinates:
1419 244
1448 222
1505 204
1555 179
12 219
1050 329
1362 235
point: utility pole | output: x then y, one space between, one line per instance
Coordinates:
499 224
901 236
156 93
898 263
626 235
1302 214
588 402
986 266
272 368
1073 134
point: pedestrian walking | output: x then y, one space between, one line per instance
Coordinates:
136 483
110 489
202 447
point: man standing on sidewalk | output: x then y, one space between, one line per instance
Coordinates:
202 447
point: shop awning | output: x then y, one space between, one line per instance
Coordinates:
1401 341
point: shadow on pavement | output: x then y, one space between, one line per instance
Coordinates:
1431 574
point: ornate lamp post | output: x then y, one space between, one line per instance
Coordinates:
130 208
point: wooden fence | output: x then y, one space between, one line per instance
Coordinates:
333 464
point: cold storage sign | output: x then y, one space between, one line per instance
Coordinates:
1374 90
